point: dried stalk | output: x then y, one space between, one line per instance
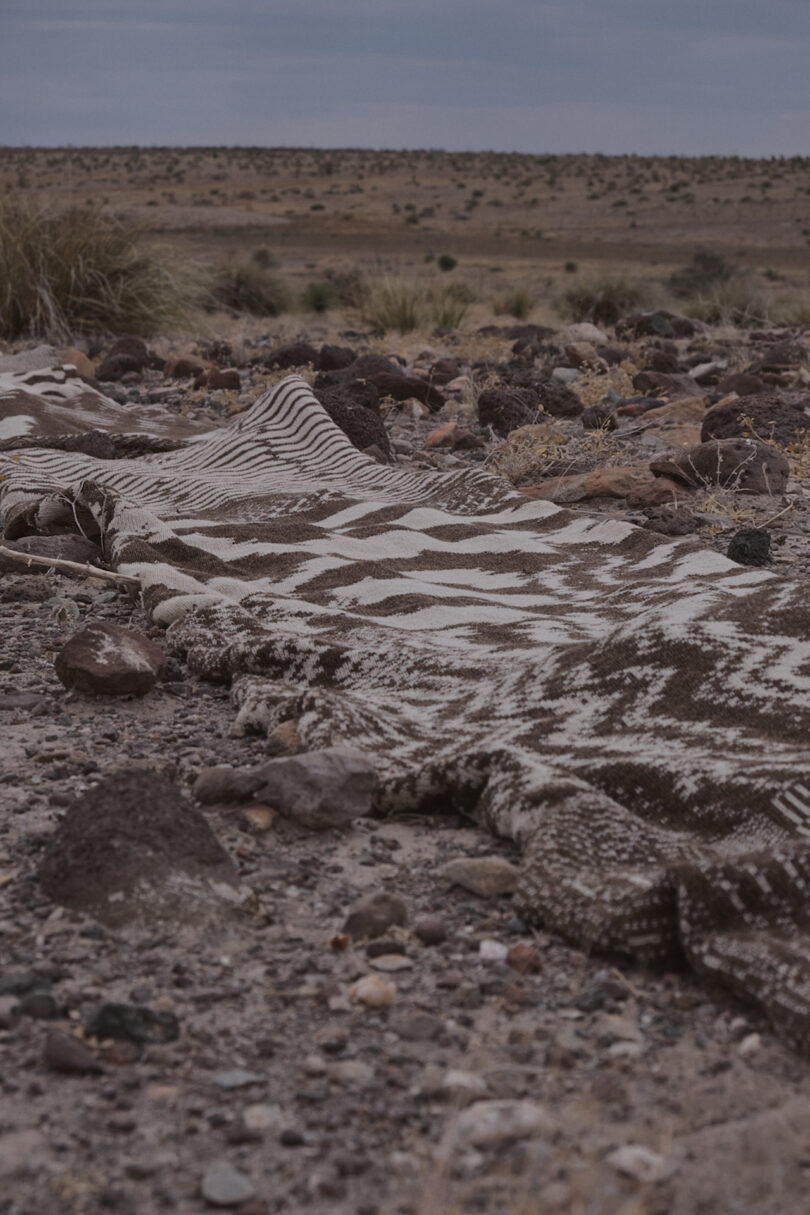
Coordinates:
69 567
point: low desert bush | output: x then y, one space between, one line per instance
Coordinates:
517 303
602 301
705 273
404 306
249 287
446 261
81 270
738 300
319 296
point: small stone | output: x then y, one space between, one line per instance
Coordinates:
373 991
430 931
352 1072
492 951
64 1053
284 739
462 1086
418 1027
40 1005
635 1160
374 915
225 1186
9 1012
107 660
524 958
21 1152
750 1046
391 962
262 1119
487 876
258 819
237 1077
490 1122
224 784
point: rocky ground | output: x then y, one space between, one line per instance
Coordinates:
377 1032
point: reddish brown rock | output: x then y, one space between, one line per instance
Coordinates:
216 378
108 660
524 958
442 436
659 492
601 483
401 387
182 366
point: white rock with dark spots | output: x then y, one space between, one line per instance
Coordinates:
105 659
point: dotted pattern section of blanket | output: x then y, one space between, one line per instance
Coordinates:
633 711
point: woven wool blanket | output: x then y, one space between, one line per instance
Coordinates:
633 711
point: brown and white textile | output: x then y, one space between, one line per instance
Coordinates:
633 711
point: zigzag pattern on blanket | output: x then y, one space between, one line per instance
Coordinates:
633 711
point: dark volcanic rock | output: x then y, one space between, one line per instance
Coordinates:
506 409
133 849
108 660
133 1023
750 546
671 386
295 354
125 355
353 405
598 417
402 387
222 784
774 419
334 358
743 464
374 915
557 400
779 358
744 383
656 324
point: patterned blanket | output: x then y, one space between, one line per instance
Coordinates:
632 710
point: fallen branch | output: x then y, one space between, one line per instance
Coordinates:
69 567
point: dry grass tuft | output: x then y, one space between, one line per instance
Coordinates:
82 271
404 306
597 380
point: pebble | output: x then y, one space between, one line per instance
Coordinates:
635 1160
462 1086
489 1122
391 962
261 1119
373 991
487 876
430 931
64 1053
238 1078
374 915
225 1186
750 1046
524 958
492 951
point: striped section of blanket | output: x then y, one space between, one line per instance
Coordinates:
633 711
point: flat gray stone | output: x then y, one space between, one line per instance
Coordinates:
225 1186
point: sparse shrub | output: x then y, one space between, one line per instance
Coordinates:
446 261
81 270
571 267
517 303
319 296
250 287
405 306
264 258
602 301
351 288
706 271
738 300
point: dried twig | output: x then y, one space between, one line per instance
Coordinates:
69 567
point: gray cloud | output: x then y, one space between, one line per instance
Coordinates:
583 75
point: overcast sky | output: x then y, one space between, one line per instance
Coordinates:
646 76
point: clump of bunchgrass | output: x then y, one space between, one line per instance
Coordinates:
81 270
597 380
404 306
251 287
517 302
602 301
